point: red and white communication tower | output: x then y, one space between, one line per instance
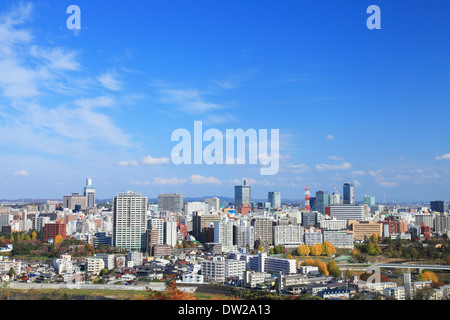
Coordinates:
307 198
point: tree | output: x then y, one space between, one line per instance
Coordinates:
316 249
171 293
303 250
322 267
33 235
309 262
333 269
289 256
375 238
428 276
328 249
271 251
348 273
58 239
12 273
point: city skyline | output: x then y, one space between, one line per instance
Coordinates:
368 107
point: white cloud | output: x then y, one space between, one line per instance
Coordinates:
168 181
188 100
388 184
299 168
358 173
58 58
129 163
151 161
330 137
356 183
109 81
443 157
336 158
198 179
97 102
22 173
341 166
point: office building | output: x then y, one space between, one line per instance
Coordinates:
347 212
438 206
51 230
322 201
349 194
369 201
362 229
89 194
74 202
201 221
242 195
274 198
335 199
213 204
309 219
129 221
172 202
195 206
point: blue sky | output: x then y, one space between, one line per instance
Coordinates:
352 104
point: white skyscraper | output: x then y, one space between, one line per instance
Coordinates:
89 193
129 222
170 233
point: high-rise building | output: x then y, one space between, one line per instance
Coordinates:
370 201
349 194
158 224
51 230
170 233
263 230
151 239
201 221
213 204
172 202
347 212
309 219
322 201
244 236
438 206
74 201
335 199
129 221
288 235
191 207
275 199
89 193
242 195
223 233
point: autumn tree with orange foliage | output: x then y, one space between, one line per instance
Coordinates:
172 293
309 262
322 267
428 276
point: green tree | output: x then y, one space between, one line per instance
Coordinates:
333 269
12 273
